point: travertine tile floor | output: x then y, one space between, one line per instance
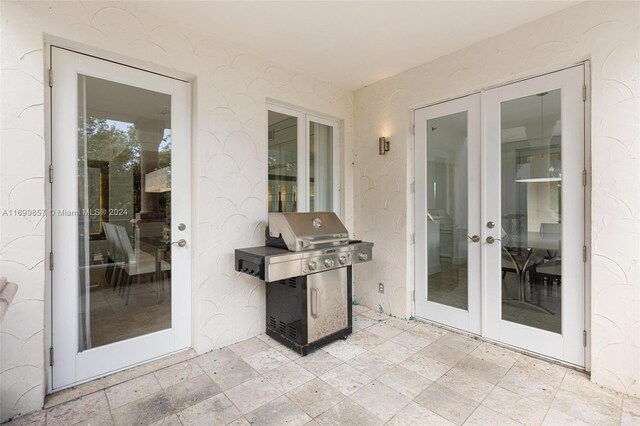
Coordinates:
389 371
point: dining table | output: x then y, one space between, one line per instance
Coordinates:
531 243
162 255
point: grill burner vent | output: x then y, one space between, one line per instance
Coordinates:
290 330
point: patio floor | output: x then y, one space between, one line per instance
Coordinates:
388 371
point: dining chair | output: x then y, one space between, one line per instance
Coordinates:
137 263
115 260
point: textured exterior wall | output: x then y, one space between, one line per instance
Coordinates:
229 168
608 35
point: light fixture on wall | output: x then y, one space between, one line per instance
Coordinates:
543 168
383 145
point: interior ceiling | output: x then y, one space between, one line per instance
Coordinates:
277 117
450 131
352 43
120 102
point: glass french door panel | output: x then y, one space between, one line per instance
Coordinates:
124 217
531 210
447 210
283 162
320 167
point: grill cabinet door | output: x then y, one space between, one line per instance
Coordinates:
326 303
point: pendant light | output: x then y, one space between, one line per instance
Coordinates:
542 168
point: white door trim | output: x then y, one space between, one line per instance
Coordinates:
468 320
72 367
579 72
568 345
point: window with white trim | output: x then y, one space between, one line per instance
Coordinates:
303 161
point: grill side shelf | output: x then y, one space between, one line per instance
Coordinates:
250 264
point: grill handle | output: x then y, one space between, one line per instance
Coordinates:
314 302
308 243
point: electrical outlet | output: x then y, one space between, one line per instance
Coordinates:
380 288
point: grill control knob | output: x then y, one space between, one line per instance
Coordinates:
342 260
312 265
363 257
328 263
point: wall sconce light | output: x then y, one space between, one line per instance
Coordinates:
383 145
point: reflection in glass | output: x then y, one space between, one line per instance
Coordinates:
283 162
124 216
320 167
532 210
447 210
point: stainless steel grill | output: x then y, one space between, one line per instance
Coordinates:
306 231
307 264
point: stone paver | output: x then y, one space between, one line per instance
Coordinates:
389 371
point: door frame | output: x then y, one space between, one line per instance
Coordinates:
566 346
469 320
50 43
411 160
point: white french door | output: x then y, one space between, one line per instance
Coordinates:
121 217
447 204
528 290
533 163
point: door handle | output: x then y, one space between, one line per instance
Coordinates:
314 302
181 242
491 240
474 238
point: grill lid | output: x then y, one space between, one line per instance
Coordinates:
303 231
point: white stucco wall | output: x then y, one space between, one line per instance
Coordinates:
229 168
608 35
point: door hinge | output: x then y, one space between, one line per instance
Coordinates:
51 261
584 177
413 187
413 238
51 356
584 254
413 295
50 77
50 173
584 93
412 129
584 338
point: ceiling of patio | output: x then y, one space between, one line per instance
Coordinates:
353 43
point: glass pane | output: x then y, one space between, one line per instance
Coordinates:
447 210
320 167
124 217
283 162
532 211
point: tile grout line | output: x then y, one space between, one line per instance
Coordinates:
299 386
108 406
555 395
224 391
124 381
389 365
349 397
